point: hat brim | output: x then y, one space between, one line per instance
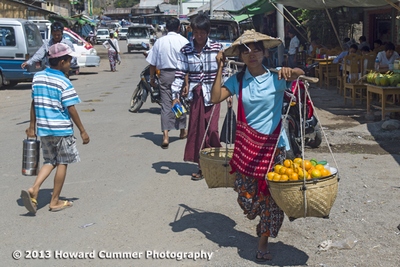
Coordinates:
72 54
251 37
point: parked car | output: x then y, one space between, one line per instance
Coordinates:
102 35
122 33
139 37
19 40
87 54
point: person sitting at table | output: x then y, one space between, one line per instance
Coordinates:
365 50
387 57
363 42
352 50
378 46
315 46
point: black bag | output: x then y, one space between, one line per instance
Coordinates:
228 132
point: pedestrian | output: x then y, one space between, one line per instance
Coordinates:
260 98
113 52
293 48
57 30
197 60
164 56
363 42
387 57
52 109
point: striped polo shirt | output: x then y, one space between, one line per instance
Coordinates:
52 94
201 67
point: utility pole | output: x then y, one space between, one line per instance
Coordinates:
211 9
281 33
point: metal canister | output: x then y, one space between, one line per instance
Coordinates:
30 156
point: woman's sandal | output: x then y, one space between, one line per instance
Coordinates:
197 176
263 256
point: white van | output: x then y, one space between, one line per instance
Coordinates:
102 35
19 41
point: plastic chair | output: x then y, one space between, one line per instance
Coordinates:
354 88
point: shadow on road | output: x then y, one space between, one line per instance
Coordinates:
182 168
155 138
220 229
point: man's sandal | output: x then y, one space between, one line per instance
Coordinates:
263 256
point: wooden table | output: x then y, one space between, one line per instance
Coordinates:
323 66
384 91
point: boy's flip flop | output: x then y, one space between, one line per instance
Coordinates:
29 202
66 204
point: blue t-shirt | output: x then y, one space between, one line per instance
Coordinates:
262 99
53 93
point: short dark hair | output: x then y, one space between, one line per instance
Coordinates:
57 26
389 46
362 38
172 24
292 31
201 22
346 39
354 46
365 49
54 61
378 41
111 35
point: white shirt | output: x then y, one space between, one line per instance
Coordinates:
109 47
384 61
164 54
294 44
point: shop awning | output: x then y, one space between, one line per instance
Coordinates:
242 17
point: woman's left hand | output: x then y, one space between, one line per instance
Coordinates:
285 73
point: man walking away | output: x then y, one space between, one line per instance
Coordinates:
164 56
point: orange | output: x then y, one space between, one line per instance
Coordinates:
284 178
277 177
316 173
277 168
325 172
294 177
287 163
319 167
289 171
298 160
307 164
282 170
300 173
270 175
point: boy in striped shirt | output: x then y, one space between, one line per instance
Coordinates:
52 109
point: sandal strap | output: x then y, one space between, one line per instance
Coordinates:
34 201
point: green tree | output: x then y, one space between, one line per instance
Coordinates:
125 3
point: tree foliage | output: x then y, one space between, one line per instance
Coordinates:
318 25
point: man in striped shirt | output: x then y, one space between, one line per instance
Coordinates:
197 60
52 108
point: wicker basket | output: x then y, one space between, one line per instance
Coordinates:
215 167
320 194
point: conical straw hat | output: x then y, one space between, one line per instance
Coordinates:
251 36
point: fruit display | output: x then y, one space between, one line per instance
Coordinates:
387 79
299 169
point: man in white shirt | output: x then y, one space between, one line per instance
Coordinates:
293 49
164 56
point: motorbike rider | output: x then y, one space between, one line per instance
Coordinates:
92 37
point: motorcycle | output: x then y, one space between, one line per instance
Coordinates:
143 89
299 121
91 39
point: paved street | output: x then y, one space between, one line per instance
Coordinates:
132 197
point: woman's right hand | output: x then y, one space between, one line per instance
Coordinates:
220 58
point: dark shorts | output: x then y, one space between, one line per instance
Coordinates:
59 150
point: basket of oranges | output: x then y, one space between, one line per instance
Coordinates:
304 188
